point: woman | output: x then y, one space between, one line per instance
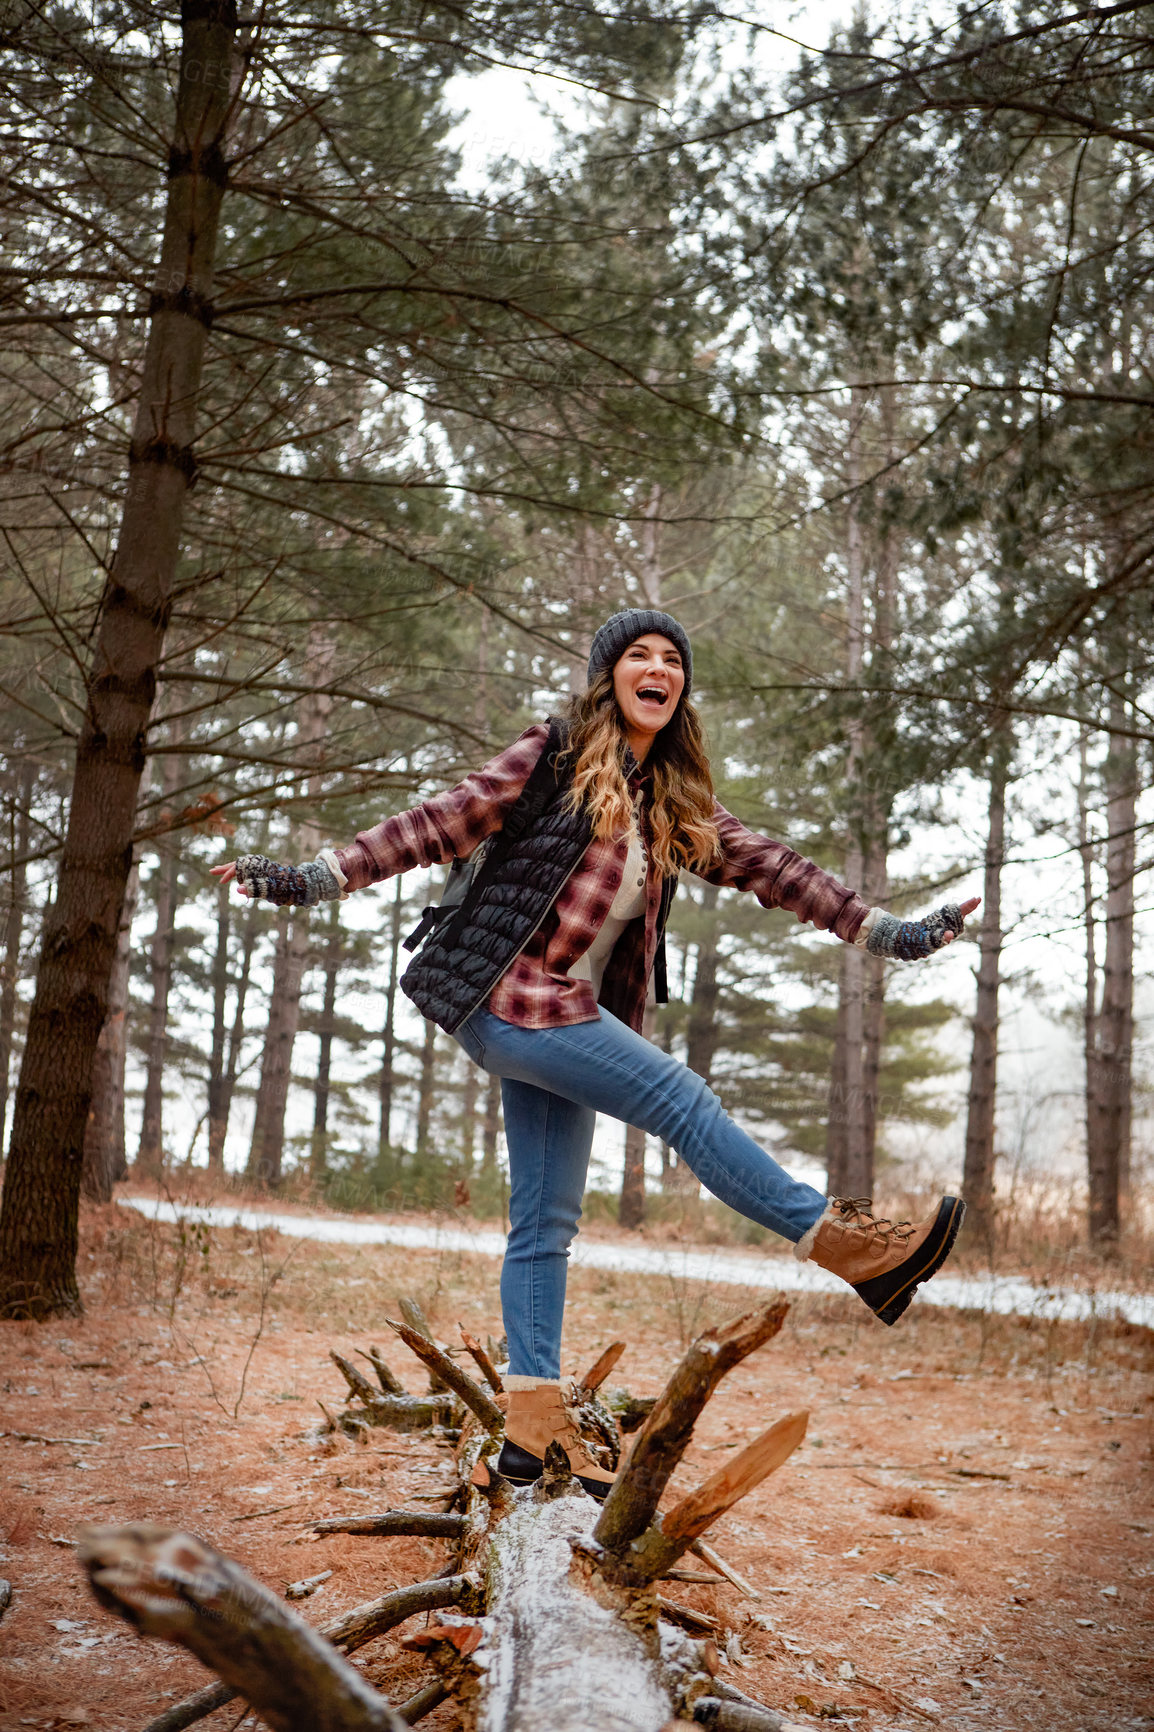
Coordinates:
542 971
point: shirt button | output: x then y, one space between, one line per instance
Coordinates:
641 884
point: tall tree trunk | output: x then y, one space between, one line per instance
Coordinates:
470 1092
1089 921
873 1009
23 786
1109 1104
150 1152
266 1156
217 1109
105 1158
218 1119
38 1215
980 1157
876 806
426 1089
848 1161
701 1030
318 1160
675 1176
491 1125
266 1152
631 1206
388 1077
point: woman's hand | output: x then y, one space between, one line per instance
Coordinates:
913 940
257 876
965 909
226 874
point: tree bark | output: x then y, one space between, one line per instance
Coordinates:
218 1123
105 1157
875 887
426 1089
470 1091
491 1125
1109 1105
38 1215
701 1033
980 1156
388 1080
631 1205
266 1153
318 1161
266 1156
150 1151
849 1162
23 787
217 1102
850 1170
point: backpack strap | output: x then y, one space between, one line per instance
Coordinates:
660 967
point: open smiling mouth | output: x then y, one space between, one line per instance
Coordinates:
651 695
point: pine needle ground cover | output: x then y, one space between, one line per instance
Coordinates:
962 1541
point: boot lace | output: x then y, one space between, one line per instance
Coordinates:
857 1215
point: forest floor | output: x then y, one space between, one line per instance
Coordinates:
963 1541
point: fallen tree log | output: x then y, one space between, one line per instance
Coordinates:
552 1616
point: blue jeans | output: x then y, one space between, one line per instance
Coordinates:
554 1082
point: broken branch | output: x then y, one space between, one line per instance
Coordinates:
710 1557
389 1382
652 1554
736 1716
662 1440
416 1319
394 1521
351 1631
358 1383
459 1381
488 1370
176 1587
423 1702
600 1369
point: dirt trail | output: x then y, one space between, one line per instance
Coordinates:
963 1542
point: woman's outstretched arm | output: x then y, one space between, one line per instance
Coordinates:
782 878
448 826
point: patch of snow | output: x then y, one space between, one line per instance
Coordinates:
1003 1295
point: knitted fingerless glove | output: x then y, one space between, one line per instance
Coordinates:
287 886
910 940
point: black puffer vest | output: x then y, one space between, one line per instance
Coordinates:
526 867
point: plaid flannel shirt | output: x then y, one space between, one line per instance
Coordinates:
535 991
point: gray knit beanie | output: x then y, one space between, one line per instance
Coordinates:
626 627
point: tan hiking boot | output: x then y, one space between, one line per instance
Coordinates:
883 1261
535 1418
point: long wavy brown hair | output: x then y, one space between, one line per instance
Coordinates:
683 834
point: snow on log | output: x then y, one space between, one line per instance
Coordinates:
554 1653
